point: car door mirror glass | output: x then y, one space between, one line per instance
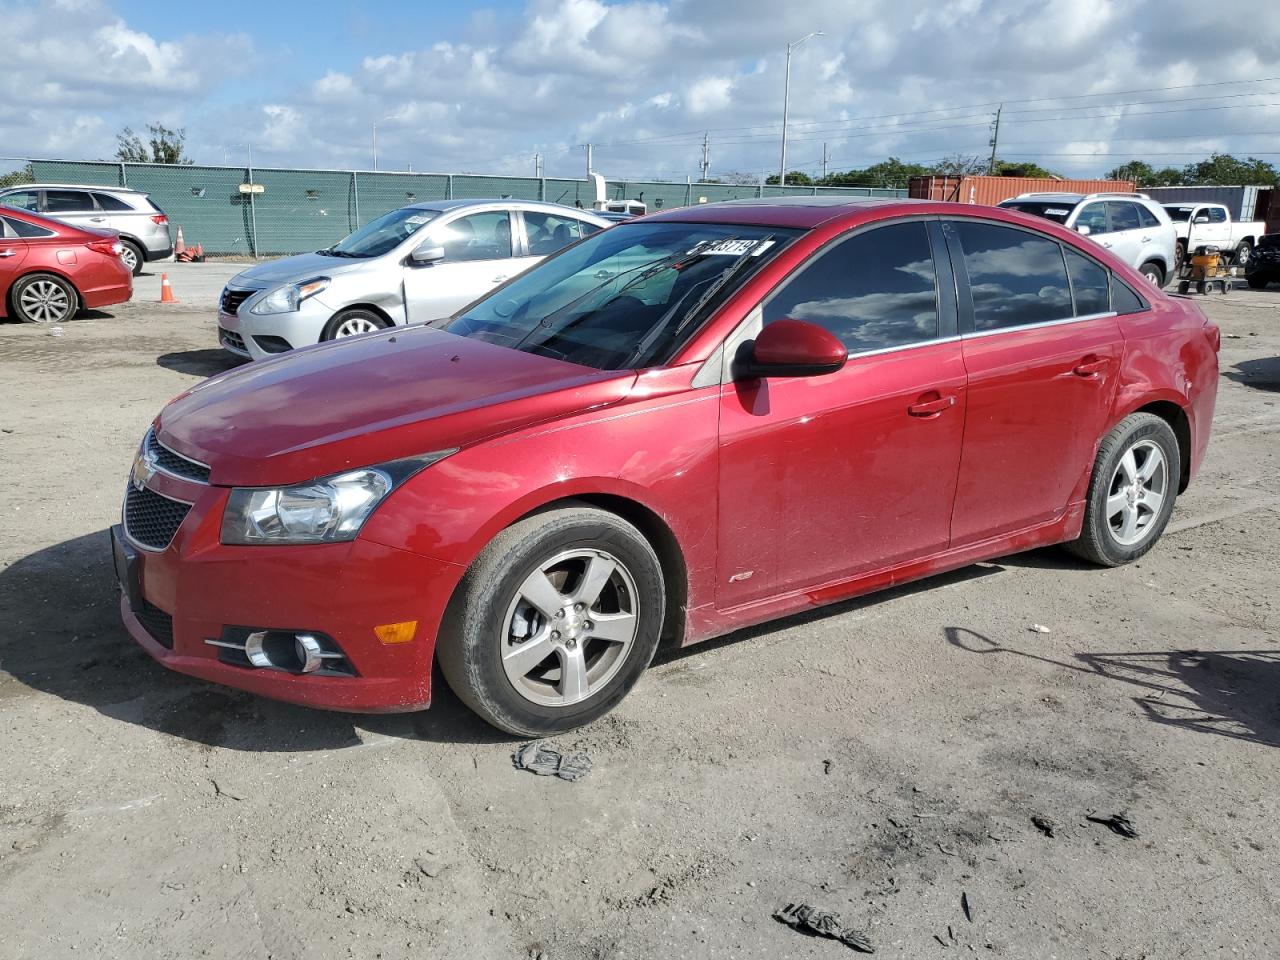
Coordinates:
1201 218
1083 229
429 252
794 348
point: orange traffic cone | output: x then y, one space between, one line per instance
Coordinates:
199 251
179 246
166 290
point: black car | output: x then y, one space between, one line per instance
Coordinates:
1264 265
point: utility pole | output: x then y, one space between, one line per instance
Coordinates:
395 116
995 142
706 154
537 165
786 102
590 168
824 161
253 208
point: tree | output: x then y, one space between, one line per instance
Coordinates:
887 173
1222 169
166 145
960 165
1145 175
1007 168
795 178
23 174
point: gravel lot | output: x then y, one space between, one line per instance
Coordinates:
881 758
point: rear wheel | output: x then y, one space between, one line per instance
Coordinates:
1257 281
350 323
1243 253
44 298
1131 493
132 256
1153 272
555 621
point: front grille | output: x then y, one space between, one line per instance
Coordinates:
151 519
170 461
157 623
231 299
230 338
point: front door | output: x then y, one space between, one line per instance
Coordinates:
1042 368
825 478
477 257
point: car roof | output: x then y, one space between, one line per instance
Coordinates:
803 212
443 206
97 187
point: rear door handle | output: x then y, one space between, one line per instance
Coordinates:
8 253
1089 368
930 408
499 279
97 219
1106 243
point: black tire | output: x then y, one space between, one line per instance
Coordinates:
1184 286
137 254
32 313
471 640
1153 272
1097 541
1243 252
1179 254
356 315
1256 281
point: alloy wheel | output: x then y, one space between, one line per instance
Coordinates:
45 301
1137 491
354 325
129 257
570 627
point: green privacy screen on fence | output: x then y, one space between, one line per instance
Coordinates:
300 210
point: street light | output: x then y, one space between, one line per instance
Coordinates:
786 100
394 116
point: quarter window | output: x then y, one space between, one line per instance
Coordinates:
67 201
1089 284
112 204
1123 299
480 236
1147 219
874 290
1015 277
23 229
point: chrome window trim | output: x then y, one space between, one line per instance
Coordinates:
1035 326
151 435
124 519
879 351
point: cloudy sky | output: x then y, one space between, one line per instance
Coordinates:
482 87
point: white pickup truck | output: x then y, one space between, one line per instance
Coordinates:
1210 224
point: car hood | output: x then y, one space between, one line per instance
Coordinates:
303 266
366 400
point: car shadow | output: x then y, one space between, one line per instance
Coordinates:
1261 374
1227 693
201 363
63 636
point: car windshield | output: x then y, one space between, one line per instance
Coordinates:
1057 212
1179 214
382 235
624 298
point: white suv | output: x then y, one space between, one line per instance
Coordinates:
1131 225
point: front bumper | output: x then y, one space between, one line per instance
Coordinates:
298 329
174 600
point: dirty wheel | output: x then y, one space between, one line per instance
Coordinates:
43 298
350 323
1132 491
555 621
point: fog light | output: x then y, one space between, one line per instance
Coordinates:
307 648
396 632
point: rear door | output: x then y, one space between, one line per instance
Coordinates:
13 250
478 255
1042 350
1126 233
825 478
74 207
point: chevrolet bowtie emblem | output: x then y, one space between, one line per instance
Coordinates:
144 468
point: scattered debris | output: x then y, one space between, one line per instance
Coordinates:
822 923
56 332
1117 823
964 905
1039 628
947 850
540 759
826 766
218 791
429 866
1045 825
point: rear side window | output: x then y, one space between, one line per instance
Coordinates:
112 204
1146 218
874 290
67 201
1015 277
1124 215
1090 282
1123 299
24 229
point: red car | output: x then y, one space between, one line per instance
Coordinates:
708 418
50 269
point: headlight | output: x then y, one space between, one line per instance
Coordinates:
323 511
286 299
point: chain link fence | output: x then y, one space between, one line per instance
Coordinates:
273 211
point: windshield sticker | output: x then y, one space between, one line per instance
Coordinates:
419 218
731 248
1056 212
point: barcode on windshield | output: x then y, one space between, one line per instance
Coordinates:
731 248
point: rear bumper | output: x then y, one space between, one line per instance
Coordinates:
102 284
157 253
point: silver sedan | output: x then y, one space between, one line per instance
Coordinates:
419 263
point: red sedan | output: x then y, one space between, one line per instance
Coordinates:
50 269
708 418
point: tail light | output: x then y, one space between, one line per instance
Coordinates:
108 247
160 218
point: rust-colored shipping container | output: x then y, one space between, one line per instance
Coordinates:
992 190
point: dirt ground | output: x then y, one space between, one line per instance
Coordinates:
882 758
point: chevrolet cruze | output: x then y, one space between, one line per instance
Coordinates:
708 418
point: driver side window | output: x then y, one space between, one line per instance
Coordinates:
479 236
1093 216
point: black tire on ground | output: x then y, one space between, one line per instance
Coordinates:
1257 281
134 252
1201 286
1153 272
1184 286
475 628
1097 541
1243 253
43 310
356 316
1179 254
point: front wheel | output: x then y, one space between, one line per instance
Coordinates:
350 323
1131 493
44 298
555 621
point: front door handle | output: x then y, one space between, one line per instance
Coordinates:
1146 239
499 279
97 219
930 408
1089 367
8 253
1106 243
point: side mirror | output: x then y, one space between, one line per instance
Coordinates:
1083 229
1201 218
427 253
795 348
